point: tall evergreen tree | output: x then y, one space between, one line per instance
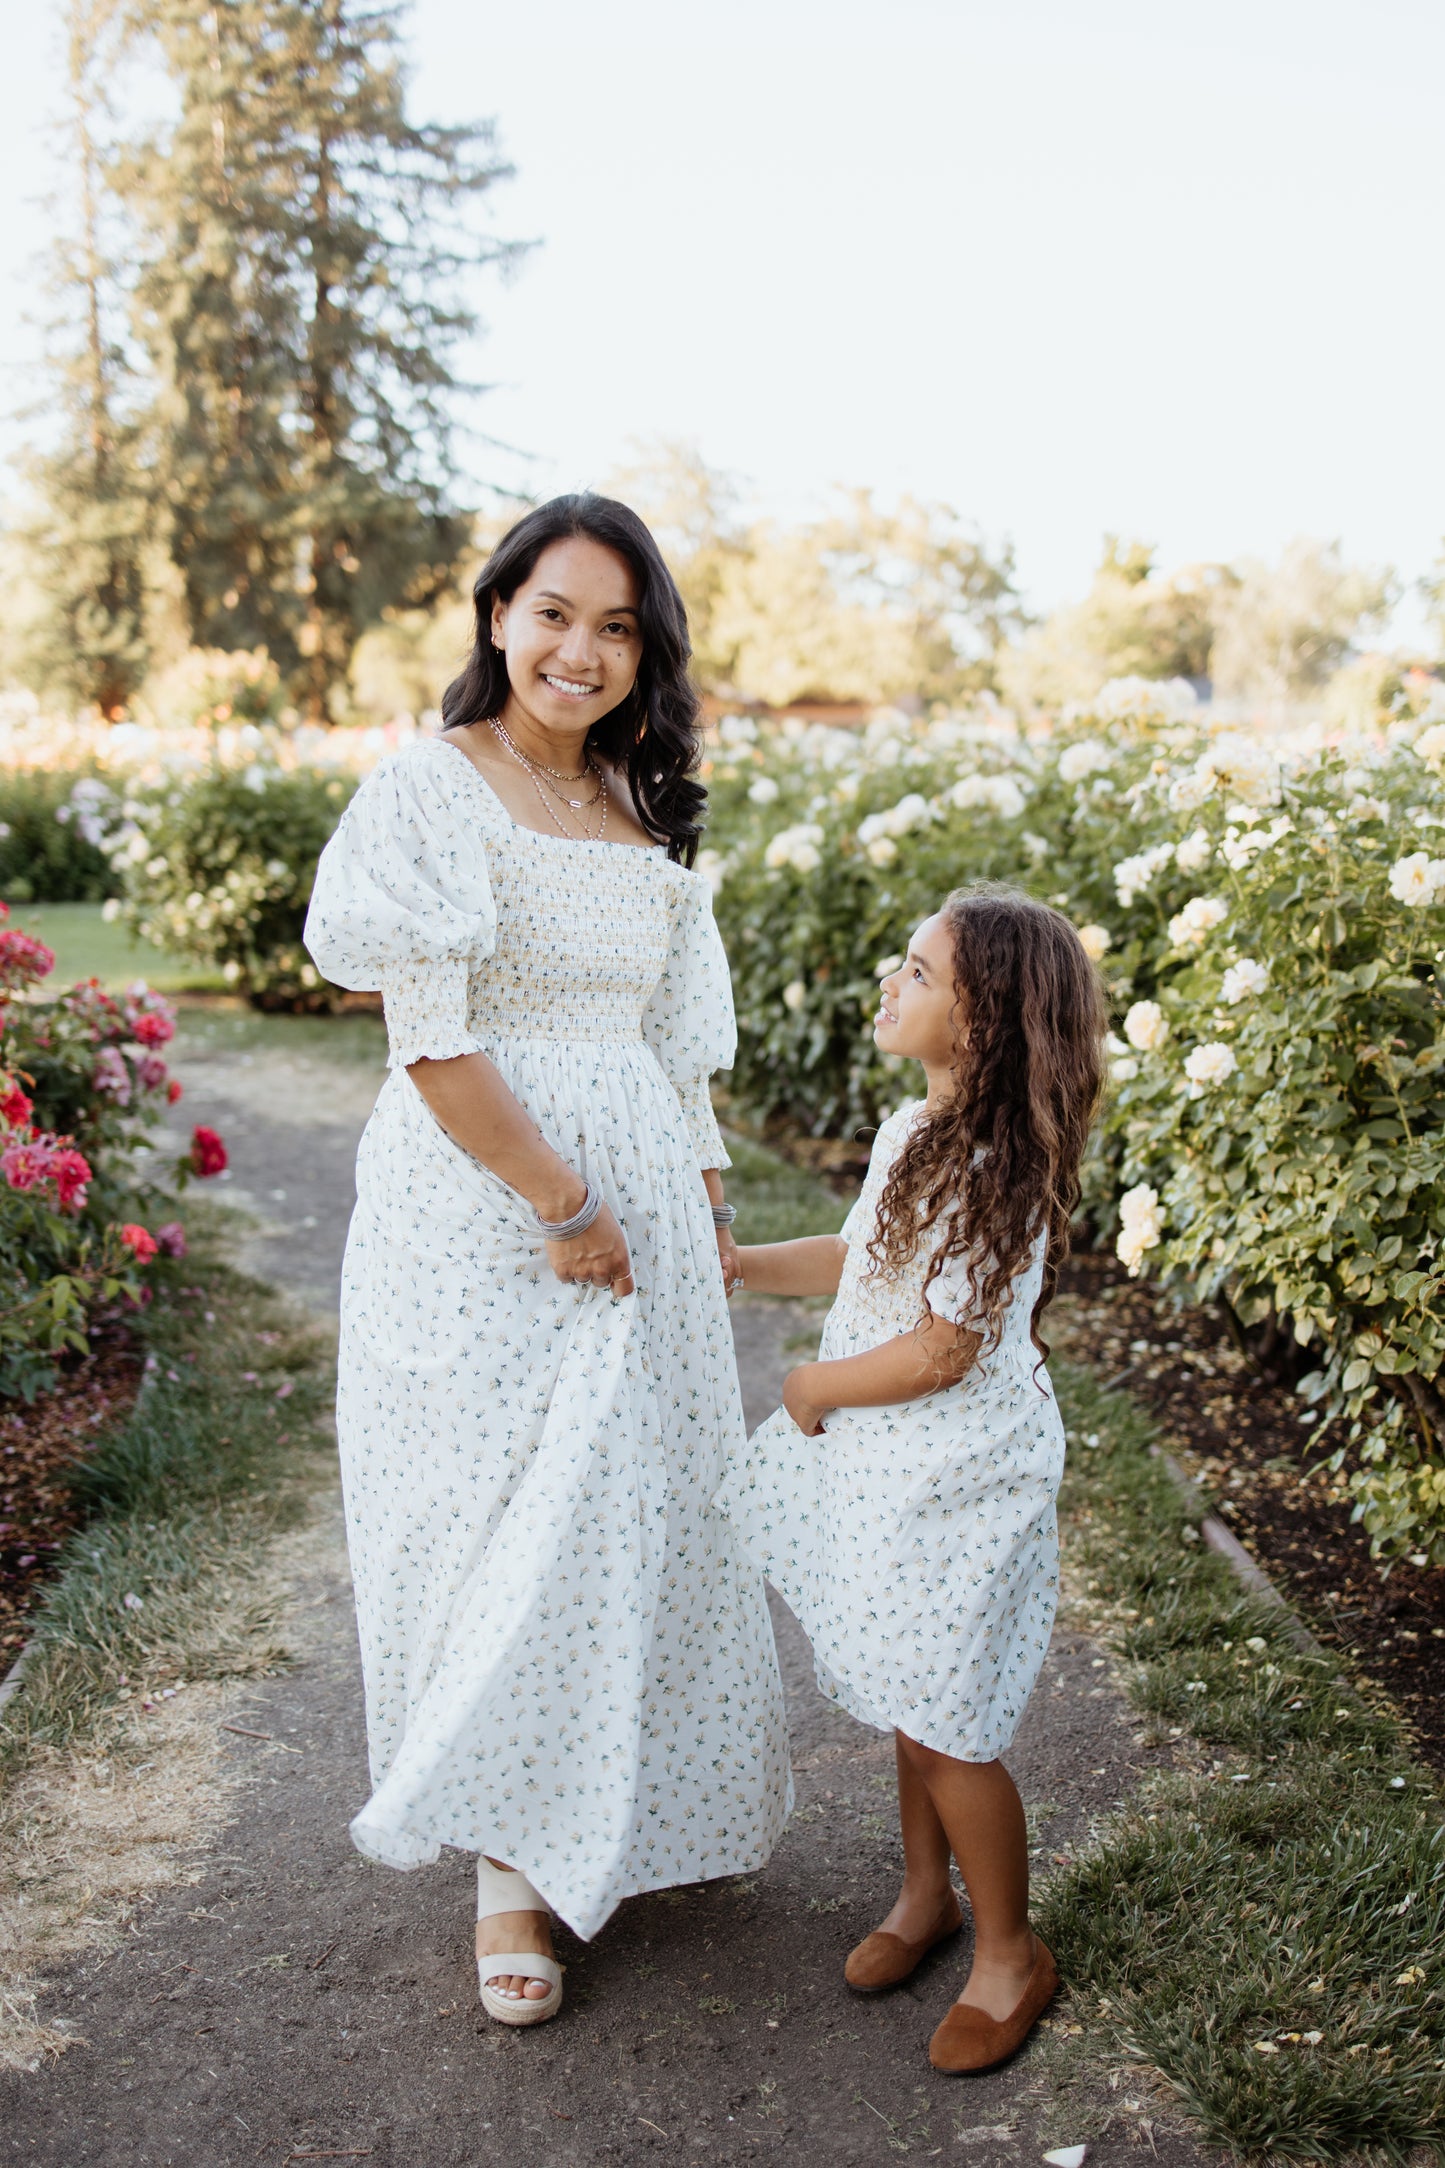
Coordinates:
302 298
85 540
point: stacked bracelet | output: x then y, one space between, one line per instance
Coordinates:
723 1215
581 1220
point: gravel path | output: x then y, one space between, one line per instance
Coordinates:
295 2002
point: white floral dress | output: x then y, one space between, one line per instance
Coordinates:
917 1544
568 1660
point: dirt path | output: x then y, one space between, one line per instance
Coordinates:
295 2002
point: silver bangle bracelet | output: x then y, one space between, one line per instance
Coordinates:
581 1220
723 1215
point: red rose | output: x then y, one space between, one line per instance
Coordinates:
208 1153
15 1108
70 1171
173 1091
154 1028
137 1240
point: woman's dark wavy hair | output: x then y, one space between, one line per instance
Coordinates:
1000 1159
652 737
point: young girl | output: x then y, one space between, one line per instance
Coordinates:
916 1539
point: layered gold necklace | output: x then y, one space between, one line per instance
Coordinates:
546 782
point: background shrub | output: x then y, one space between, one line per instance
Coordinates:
49 837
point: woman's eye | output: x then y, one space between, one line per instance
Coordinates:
618 632
548 611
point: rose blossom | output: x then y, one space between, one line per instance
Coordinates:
1141 1226
71 1173
15 1108
171 1239
1211 1064
1146 1026
139 1242
208 1153
112 1076
1242 980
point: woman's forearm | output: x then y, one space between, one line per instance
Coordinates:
479 1112
812 1266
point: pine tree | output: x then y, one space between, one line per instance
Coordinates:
85 541
301 300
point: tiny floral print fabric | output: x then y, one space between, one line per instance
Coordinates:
916 1544
568 1660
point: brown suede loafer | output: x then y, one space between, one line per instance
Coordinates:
969 2041
883 1960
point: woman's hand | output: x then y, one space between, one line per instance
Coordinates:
598 1257
806 1412
728 1258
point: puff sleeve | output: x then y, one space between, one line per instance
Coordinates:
402 904
689 1021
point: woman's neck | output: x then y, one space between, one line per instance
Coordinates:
551 748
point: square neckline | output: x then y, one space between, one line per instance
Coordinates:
583 843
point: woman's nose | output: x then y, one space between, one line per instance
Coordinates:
578 646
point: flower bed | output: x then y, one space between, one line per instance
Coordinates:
1268 918
80 1076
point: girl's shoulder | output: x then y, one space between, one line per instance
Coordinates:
892 1132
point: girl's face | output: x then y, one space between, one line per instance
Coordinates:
571 635
917 1002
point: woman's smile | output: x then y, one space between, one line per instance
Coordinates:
569 688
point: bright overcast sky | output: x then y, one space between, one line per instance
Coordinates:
1163 271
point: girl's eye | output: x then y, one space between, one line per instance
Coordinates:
547 610
618 632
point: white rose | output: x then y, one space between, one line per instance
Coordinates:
1431 746
1243 980
1418 879
1211 1064
763 791
1141 1226
1124 1069
1194 852
1090 756
795 993
1187 792
1146 1027
881 851
1000 792
886 966
911 812
1190 927
712 866
1367 809
110 910
737 730
1133 875
1240 766
1096 941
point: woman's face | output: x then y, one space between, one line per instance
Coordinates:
571 635
916 1003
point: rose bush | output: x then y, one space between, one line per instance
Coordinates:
1269 920
218 866
81 1077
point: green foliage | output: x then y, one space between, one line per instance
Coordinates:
49 841
1265 1923
1270 932
219 867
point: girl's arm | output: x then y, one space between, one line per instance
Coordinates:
813 1266
479 1112
936 1353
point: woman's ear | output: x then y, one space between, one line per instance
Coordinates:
499 624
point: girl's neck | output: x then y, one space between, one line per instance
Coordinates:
941 1087
551 748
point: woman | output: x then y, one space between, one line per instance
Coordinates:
569 1668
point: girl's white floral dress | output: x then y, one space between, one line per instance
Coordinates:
568 1660
917 1544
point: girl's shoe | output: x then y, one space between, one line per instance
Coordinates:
969 2041
883 1959
501 1889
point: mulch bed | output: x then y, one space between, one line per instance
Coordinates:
1242 1437
40 1445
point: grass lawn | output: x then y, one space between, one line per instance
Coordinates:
87 946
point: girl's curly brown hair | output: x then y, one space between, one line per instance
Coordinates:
1000 1160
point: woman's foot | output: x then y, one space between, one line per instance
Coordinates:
515 1933
999 2008
918 1921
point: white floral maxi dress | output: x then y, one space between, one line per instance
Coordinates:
568 1660
916 1544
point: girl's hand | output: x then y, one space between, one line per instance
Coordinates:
728 1258
598 1257
806 1413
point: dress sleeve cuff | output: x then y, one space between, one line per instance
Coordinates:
696 1102
426 1012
